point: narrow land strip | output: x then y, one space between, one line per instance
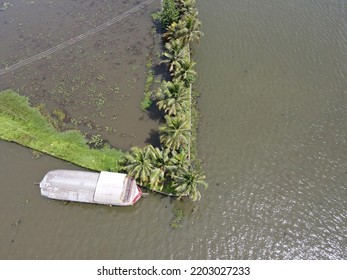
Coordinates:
22 124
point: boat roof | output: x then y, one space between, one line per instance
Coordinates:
105 187
110 187
70 179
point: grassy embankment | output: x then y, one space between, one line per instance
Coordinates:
22 124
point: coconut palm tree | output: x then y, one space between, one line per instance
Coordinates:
173 98
162 167
185 72
175 134
175 31
179 159
138 164
186 30
173 106
192 25
185 6
187 182
174 53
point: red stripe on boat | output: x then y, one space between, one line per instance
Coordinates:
137 197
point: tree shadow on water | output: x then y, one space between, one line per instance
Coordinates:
158 27
153 138
154 113
161 70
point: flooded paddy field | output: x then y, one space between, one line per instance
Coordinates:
95 85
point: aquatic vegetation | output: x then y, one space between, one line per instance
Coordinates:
149 80
36 154
96 141
147 100
149 62
4 6
60 115
176 222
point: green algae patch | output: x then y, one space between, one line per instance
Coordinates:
25 125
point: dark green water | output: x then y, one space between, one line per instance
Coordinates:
272 77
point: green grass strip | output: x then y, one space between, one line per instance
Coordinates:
22 124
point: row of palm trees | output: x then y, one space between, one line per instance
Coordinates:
169 168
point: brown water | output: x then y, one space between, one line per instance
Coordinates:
272 75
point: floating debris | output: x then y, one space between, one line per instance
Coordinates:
4 6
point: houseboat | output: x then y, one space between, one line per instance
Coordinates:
107 188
